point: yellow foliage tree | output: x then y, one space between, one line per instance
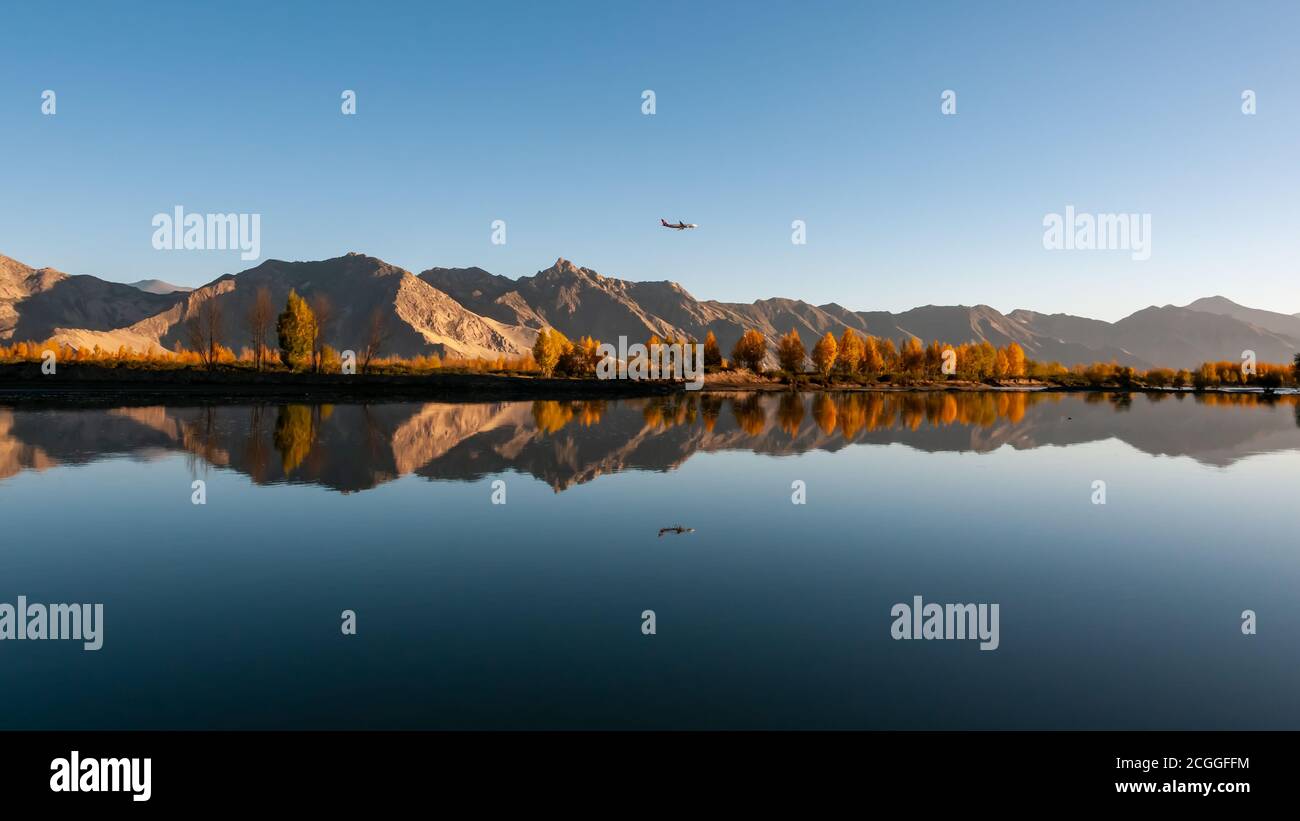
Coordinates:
824 353
790 352
912 359
1015 360
712 355
549 347
872 362
750 350
851 351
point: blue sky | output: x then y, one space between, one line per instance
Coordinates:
766 113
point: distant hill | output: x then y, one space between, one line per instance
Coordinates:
470 312
157 286
1184 337
1285 324
39 303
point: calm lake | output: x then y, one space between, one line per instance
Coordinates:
770 614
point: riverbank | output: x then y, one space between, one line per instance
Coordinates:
730 381
88 383
744 381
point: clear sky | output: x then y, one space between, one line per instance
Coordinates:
766 113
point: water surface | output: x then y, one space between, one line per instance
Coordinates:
769 614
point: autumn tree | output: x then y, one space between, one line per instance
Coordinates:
1159 377
790 352
329 360
589 346
1101 373
850 353
1015 360
934 358
912 358
665 358
1269 378
1205 376
985 357
580 358
261 313
549 347
1001 366
750 350
653 355
872 363
712 355
888 355
296 331
824 353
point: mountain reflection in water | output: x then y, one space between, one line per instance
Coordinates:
359 446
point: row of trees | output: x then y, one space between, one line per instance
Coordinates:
1263 374
853 354
1207 375
555 354
1216 374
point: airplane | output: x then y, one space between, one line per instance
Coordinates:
678 530
680 226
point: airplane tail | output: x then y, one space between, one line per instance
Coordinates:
663 222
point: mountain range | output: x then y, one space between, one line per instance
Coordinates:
470 312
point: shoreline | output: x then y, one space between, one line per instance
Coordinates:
957 386
79 384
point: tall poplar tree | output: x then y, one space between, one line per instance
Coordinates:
296 329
